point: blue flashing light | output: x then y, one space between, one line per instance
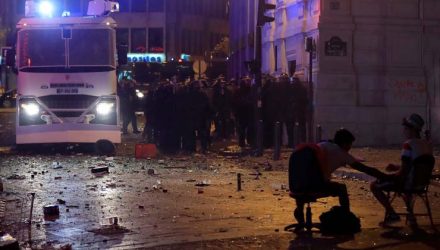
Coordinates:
46 9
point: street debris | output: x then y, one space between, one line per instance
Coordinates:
16 177
268 167
61 202
100 170
51 210
203 183
8 242
110 230
56 165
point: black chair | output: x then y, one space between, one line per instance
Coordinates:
416 185
306 182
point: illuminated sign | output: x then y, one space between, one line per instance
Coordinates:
185 57
146 57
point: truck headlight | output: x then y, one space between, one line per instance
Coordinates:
104 108
140 95
30 109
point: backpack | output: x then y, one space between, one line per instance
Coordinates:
339 221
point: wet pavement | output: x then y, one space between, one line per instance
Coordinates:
184 202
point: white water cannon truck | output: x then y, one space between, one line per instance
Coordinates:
66 82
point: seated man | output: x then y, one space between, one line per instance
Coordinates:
330 156
413 147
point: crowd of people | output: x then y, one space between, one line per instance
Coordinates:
179 113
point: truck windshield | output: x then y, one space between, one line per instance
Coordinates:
91 47
46 48
40 48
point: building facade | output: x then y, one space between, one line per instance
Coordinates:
167 27
376 61
242 20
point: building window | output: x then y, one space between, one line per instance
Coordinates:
74 6
156 5
138 40
138 5
124 5
122 36
155 40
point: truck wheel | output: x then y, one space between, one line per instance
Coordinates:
105 147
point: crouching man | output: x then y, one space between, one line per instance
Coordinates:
311 166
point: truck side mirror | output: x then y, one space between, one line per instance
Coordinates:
8 56
122 54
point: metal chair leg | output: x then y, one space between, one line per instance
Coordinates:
309 224
428 208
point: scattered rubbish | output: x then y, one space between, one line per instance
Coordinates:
111 158
161 161
203 184
200 190
191 180
111 185
1 185
98 170
60 201
151 171
113 220
51 210
58 178
141 207
256 173
56 165
268 167
16 177
110 230
165 190
223 230
8 242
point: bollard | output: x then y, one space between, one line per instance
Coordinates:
259 138
32 207
318 134
238 182
277 142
